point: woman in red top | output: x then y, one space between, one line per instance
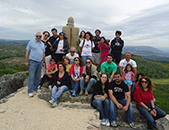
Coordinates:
145 102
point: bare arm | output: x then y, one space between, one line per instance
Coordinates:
121 72
112 76
128 99
135 70
27 58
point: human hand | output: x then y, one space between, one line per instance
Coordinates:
58 88
58 82
152 113
49 75
27 63
125 108
110 80
87 78
119 106
106 95
155 112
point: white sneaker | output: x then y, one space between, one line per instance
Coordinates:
54 104
39 90
50 87
51 102
113 123
107 122
103 122
30 94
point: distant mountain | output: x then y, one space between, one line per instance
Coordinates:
9 42
148 52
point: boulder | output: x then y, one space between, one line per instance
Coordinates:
11 83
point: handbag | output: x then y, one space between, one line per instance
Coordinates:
100 97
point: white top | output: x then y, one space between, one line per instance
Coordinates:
76 73
72 57
123 63
87 48
60 46
128 75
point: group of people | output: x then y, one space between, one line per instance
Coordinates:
67 71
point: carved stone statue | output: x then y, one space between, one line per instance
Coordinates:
71 32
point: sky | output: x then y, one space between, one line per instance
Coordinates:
142 22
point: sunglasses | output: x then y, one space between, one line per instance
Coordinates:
47 35
144 82
38 36
72 51
88 62
76 60
61 35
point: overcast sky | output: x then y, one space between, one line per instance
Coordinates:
142 22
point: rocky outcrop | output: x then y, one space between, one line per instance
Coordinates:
11 83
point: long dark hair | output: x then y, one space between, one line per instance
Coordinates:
125 70
107 82
150 85
104 40
80 36
81 61
138 76
61 63
91 36
63 35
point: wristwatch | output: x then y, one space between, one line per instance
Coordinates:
149 110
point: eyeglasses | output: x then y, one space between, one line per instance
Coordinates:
144 82
47 35
38 36
76 60
72 51
88 62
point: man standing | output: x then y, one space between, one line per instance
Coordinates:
123 63
35 55
54 37
96 50
117 91
116 47
72 55
109 67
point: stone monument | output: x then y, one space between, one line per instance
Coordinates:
71 32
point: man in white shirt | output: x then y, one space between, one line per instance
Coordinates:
72 54
123 63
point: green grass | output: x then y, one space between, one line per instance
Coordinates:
161 93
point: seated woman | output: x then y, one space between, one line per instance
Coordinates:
66 61
50 71
76 72
100 99
89 76
61 80
145 102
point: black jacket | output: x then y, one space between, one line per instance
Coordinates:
65 45
116 46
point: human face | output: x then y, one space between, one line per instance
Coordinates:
38 36
127 56
52 61
61 36
46 35
144 83
102 40
66 61
117 78
103 78
83 34
88 63
77 61
72 52
128 68
87 36
117 36
109 59
97 33
61 68
54 33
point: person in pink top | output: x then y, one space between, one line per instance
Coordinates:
50 71
104 46
128 75
76 72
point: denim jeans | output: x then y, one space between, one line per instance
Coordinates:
113 110
56 93
150 119
84 59
34 75
75 85
102 107
132 89
91 82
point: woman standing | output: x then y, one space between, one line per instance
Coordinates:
100 99
61 80
104 46
61 47
145 102
76 72
86 46
81 37
66 61
47 44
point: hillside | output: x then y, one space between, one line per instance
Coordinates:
147 52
